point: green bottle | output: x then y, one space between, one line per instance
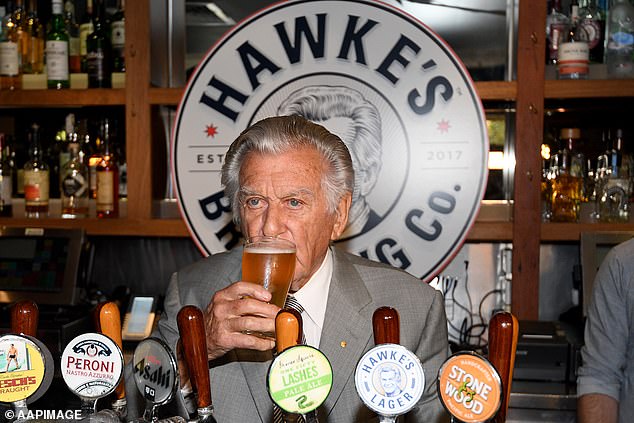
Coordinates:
98 57
57 49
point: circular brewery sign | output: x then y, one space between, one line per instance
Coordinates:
393 91
22 368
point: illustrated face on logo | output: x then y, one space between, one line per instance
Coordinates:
390 380
382 81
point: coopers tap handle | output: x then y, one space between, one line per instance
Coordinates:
109 323
503 332
288 329
24 318
386 326
191 326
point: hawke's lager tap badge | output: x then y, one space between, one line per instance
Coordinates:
469 387
92 365
394 92
155 371
389 379
22 368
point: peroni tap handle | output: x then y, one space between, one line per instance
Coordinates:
109 323
191 325
503 332
24 318
386 326
288 329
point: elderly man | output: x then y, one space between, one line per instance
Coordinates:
290 178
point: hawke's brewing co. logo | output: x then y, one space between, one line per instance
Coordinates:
92 365
389 379
385 83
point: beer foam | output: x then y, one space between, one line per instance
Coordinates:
270 250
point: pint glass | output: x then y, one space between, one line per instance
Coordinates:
269 262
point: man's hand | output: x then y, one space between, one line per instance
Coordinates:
240 307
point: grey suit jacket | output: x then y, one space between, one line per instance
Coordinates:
358 287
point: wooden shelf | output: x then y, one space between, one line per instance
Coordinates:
165 96
108 227
588 89
64 98
562 232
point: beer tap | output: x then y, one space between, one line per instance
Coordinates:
191 326
503 333
108 322
293 356
30 358
398 370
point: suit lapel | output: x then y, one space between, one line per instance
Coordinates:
255 365
345 335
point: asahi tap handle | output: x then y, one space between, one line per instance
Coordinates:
503 332
191 325
24 318
109 323
386 326
288 329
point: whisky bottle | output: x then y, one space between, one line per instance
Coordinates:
18 16
567 186
33 44
74 182
6 179
9 53
72 28
573 53
85 28
592 20
57 49
98 57
117 38
107 178
615 189
556 27
36 178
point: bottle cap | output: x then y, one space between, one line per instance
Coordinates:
570 133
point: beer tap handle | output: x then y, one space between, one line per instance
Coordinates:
386 326
191 326
503 333
109 323
24 318
288 329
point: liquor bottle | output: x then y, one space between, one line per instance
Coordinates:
33 41
94 158
615 189
592 21
9 53
85 28
18 17
117 37
36 178
620 40
567 185
107 178
74 182
6 179
57 49
98 58
556 27
573 52
72 28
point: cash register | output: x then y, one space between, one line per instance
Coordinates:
48 266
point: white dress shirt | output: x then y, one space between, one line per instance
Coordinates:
313 297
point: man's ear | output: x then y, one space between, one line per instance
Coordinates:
341 216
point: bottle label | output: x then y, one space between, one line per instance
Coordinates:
105 191
118 34
6 188
573 59
73 46
9 62
621 41
36 187
593 30
74 185
95 65
57 60
84 31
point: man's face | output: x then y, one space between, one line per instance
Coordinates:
282 195
389 381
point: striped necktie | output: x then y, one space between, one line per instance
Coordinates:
278 415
